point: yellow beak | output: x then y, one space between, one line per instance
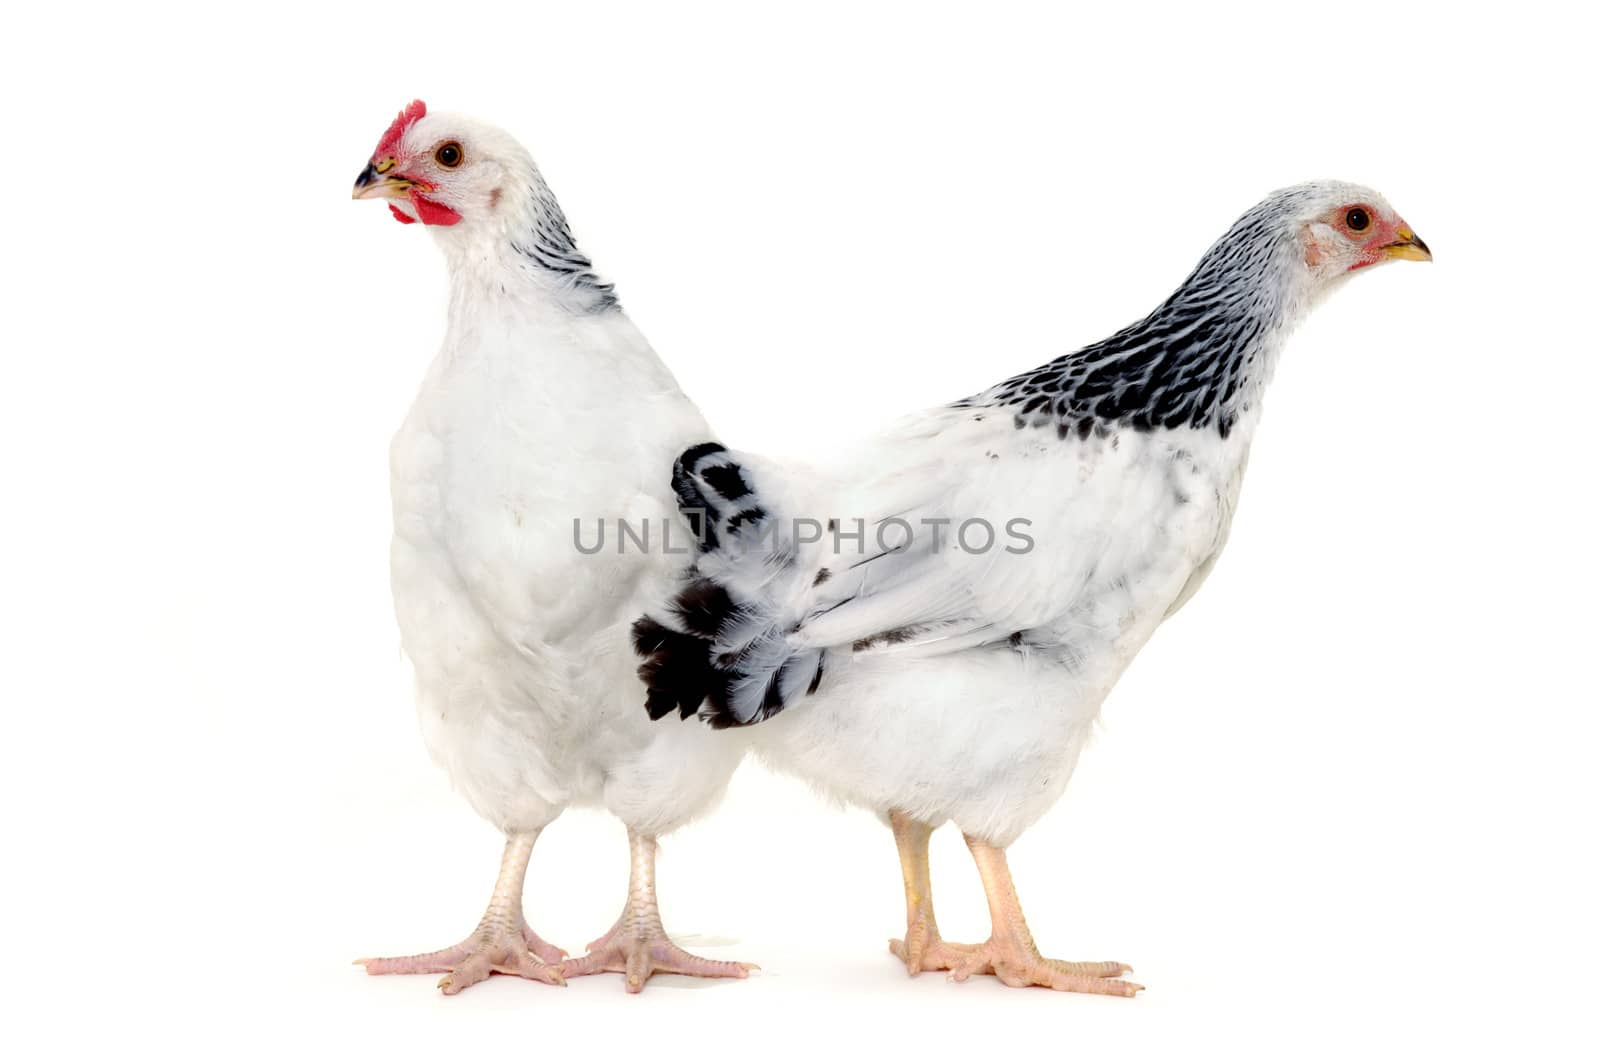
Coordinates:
372 184
1409 246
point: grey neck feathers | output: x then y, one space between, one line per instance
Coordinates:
1200 360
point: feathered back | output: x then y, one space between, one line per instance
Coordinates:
763 607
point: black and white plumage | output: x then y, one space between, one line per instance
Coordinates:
1018 547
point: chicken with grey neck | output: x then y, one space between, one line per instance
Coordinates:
934 678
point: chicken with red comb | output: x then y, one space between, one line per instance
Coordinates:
382 178
544 421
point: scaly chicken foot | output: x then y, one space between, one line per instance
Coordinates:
921 949
1010 954
637 946
501 944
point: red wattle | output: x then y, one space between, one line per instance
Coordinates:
400 216
431 213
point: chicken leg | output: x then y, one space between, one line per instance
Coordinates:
502 943
921 949
637 946
1010 953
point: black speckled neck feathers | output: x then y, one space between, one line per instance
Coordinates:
1199 360
548 246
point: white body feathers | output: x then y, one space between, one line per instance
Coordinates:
540 410
962 684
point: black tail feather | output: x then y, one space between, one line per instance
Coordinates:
704 607
676 668
760 673
693 503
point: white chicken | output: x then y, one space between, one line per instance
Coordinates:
544 412
930 626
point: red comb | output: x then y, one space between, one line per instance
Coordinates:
397 129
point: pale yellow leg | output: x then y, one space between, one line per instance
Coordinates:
921 949
1010 953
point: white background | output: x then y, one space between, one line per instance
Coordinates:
1342 807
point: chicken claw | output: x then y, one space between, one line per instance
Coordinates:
502 943
637 947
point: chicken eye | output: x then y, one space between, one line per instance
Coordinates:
1357 219
448 155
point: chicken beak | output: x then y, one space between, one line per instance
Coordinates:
1408 245
372 183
